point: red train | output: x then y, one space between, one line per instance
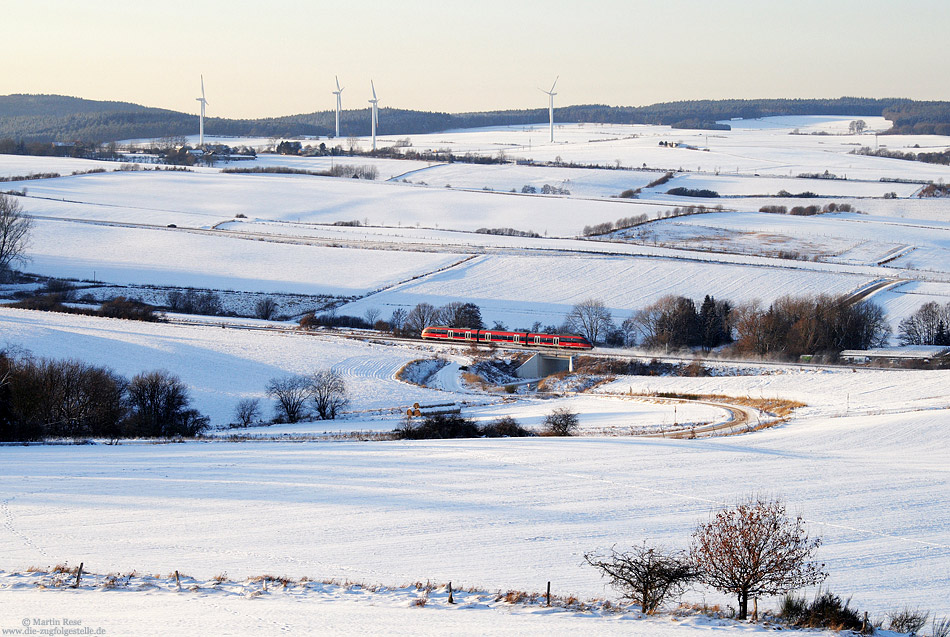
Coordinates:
523 339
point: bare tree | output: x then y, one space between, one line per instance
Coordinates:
291 394
15 226
420 317
248 411
646 575
857 126
397 321
371 315
458 314
266 308
591 319
328 391
927 326
754 549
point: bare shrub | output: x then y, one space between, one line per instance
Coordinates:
505 427
561 422
908 621
265 308
646 575
827 610
439 426
940 627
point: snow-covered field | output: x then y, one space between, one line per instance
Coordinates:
865 461
288 216
833 237
159 256
522 290
497 514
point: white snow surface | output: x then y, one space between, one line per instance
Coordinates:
865 461
522 290
162 256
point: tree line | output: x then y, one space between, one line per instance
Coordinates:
786 329
43 398
929 325
60 118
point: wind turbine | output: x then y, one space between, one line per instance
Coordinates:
375 115
551 95
201 119
337 92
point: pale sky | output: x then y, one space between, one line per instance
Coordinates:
278 57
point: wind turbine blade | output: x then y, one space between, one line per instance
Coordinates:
555 84
337 83
202 87
372 87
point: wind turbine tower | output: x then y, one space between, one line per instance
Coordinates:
337 92
201 118
375 116
551 95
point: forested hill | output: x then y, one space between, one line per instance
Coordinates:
45 118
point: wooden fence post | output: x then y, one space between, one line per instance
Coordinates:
548 595
177 580
451 598
78 576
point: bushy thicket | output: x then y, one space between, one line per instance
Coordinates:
46 398
330 319
929 325
934 190
807 211
674 322
619 224
826 610
439 426
119 307
786 329
793 326
693 192
509 232
194 302
455 314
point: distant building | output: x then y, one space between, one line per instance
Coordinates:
919 353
